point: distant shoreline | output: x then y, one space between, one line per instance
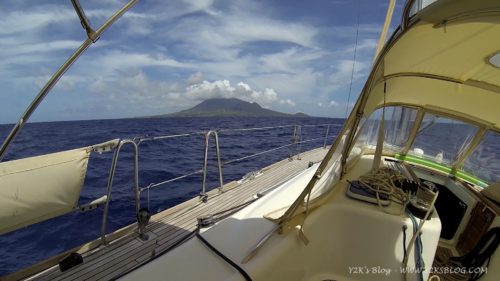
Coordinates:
171 117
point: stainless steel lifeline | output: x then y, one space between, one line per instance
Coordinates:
207 135
116 146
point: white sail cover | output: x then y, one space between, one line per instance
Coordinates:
38 188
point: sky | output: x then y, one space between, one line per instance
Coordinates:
165 56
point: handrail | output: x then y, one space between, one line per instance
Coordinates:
139 140
110 184
116 145
203 194
296 141
326 136
275 127
154 185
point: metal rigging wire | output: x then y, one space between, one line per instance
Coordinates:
353 60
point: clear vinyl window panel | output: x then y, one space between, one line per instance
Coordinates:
398 125
441 139
484 162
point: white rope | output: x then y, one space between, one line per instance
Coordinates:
381 181
418 232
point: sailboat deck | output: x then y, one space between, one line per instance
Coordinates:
170 227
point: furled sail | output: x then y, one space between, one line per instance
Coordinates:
42 187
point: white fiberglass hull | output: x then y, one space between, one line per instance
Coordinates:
348 240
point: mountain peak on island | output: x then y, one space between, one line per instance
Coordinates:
217 107
229 104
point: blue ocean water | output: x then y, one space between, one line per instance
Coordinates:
159 160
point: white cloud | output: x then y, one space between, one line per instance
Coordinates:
290 60
66 83
54 46
138 89
116 60
369 44
195 78
248 29
288 102
298 86
344 71
139 26
223 35
333 103
224 89
33 19
167 55
200 5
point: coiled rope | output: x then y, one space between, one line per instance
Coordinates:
381 181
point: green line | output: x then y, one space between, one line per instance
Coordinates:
442 168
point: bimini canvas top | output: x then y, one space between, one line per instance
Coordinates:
448 58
